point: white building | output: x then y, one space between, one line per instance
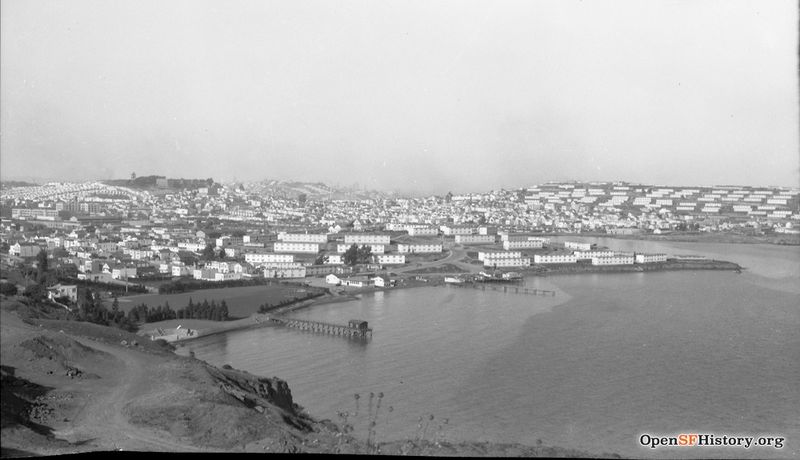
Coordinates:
333 279
334 259
525 244
375 248
303 237
309 248
483 255
554 259
588 255
516 262
650 258
296 272
422 231
267 257
613 260
359 238
419 248
456 230
474 239
219 276
578 246
389 259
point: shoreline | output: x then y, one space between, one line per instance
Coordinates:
692 237
256 320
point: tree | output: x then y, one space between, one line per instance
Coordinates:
364 254
302 198
115 306
350 257
35 292
208 252
41 265
322 259
8 289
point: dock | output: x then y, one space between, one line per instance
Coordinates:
354 328
505 288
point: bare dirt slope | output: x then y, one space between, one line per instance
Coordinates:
73 387
70 393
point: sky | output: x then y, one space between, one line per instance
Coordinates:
406 95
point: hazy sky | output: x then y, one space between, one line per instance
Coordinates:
433 95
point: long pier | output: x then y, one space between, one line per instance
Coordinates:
505 288
354 328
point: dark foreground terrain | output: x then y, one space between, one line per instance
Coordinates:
77 387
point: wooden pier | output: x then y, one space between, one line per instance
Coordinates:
354 328
505 288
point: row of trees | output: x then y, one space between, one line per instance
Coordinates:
204 310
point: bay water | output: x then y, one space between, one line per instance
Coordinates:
609 358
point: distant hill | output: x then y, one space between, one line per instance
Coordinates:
16 183
316 191
158 182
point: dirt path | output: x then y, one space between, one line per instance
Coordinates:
101 421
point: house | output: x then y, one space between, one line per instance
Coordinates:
333 279
24 250
356 282
381 281
69 291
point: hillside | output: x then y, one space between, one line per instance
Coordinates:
317 191
78 387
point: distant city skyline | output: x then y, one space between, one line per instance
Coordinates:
409 96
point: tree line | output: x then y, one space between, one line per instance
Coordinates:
205 310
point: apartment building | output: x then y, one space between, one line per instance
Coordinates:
649 258
358 238
303 237
523 244
515 262
483 255
474 239
588 255
389 259
554 259
577 246
270 257
307 248
617 259
419 248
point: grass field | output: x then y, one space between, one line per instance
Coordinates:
242 301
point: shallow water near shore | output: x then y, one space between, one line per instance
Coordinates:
610 357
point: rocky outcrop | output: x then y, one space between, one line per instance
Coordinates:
259 393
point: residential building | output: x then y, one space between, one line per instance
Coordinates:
641 258
526 244
303 237
617 259
309 248
474 239
578 246
389 259
363 238
554 259
419 248
267 257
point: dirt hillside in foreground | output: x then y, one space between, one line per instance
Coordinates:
78 387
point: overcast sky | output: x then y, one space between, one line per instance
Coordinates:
428 95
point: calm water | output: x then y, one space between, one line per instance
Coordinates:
610 357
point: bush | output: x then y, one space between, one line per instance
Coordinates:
8 289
